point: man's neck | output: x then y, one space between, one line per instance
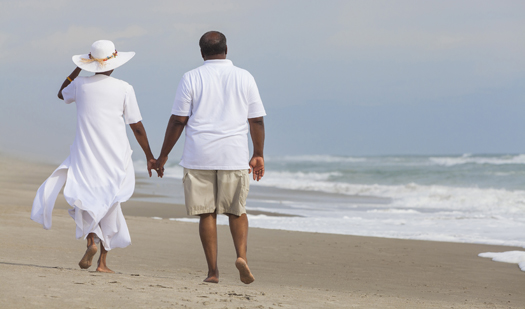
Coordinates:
215 57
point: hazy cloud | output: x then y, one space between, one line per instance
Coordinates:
76 36
373 76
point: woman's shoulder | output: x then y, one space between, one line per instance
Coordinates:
120 81
115 83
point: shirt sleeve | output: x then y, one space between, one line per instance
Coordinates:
255 104
131 107
183 98
70 92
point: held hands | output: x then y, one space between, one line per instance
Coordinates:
152 164
159 166
257 166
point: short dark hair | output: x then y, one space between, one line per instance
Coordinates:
212 43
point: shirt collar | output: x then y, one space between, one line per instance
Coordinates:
218 61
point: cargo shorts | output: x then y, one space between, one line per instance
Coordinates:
220 191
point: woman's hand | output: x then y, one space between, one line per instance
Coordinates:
152 164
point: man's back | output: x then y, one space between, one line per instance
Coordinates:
218 98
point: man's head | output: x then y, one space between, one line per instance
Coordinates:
213 45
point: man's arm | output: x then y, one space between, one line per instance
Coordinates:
173 131
142 139
257 134
71 76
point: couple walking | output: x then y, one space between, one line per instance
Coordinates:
217 103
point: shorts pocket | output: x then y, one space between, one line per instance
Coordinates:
245 186
184 176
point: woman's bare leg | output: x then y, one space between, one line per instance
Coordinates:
102 267
91 250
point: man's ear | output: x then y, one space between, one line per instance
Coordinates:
226 50
202 55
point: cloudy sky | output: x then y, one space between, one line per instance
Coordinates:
336 77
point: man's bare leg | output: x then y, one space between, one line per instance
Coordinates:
102 267
208 234
91 250
239 231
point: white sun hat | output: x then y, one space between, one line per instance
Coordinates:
103 57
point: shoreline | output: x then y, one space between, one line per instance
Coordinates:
165 266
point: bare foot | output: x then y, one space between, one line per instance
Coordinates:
102 266
104 269
212 279
244 271
85 262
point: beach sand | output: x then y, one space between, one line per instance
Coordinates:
165 265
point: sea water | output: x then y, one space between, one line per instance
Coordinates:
462 198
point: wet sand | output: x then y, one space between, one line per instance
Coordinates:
165 265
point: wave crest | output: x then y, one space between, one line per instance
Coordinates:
468 159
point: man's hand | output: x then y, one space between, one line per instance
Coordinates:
175 127
257 167
159 167
152 164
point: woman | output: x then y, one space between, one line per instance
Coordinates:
99 169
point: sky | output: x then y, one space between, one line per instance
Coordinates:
347 78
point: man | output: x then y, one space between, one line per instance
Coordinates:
213 102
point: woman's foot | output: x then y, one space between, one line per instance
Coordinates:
91 250
102 267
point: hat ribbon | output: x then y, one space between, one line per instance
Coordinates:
101 61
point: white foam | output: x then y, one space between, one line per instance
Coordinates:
413 226
397 211
156 218
412 195
469 159
405 161
280 179
513 257
315 158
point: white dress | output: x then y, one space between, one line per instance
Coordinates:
99 170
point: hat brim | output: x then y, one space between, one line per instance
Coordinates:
109 65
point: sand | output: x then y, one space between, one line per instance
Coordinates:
165 265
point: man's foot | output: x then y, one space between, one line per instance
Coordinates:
86 260
104 269
212 279
244 271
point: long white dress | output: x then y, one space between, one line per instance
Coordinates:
98 174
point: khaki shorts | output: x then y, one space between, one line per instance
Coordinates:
209 191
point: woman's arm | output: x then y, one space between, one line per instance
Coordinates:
68 81
142 139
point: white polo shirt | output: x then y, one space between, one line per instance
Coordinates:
219 98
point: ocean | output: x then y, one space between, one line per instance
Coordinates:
464 198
